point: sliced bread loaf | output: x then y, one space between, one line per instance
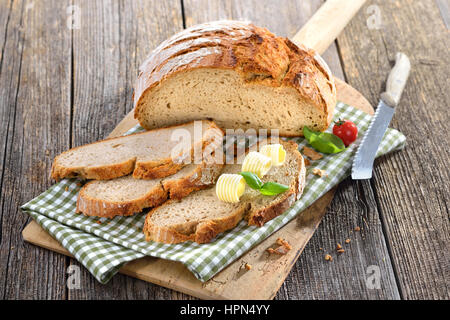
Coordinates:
201 215
148 155
240 75
125 195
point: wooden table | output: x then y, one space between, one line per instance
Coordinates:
58 84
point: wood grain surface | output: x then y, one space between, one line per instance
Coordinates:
411 188
62 87
35 80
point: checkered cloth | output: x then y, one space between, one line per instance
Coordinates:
104 245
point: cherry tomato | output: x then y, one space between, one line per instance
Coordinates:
346 130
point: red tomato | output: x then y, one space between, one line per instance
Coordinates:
346 130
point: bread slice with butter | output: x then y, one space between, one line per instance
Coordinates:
147 155
125 196
201 216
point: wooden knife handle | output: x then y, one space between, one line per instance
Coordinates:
397 80
326 24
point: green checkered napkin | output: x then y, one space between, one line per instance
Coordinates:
104 245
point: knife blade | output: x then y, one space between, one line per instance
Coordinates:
365 155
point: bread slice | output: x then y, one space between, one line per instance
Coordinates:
201 215
239 75
148 155
125 196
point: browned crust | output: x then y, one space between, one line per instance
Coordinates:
173 189
202 233
90 206
258 55
260 217
97 173
150 171
195 181
206 231
140 169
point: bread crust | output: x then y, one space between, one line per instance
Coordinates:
140 169
90 206
206 231
153 171
170 189
260 217
255 53
195 181
203 232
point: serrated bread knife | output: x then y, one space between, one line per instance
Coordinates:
363 161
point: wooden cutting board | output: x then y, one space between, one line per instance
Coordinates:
267 272
234 282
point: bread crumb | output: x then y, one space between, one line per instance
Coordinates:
284 243
320 172
279 250
357 228
321 249
79 184
99 222
312 154
283 248
328 257
66 189
347 240
341 251
248 266
307 162
338 246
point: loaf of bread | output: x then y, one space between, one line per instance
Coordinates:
125 196
201 216
239 75
148 155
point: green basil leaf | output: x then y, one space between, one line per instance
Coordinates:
309 134
273 188
252 180
333 142
323 141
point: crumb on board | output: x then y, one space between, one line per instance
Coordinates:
341 251
320 172
99 222
347 240
311 153
284 243
79 184
357 228
248 266
66 189
307 162
282 249
328 257
338 246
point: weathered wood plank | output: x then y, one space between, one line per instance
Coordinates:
345 276
114 39
411 186
34 116
311 273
